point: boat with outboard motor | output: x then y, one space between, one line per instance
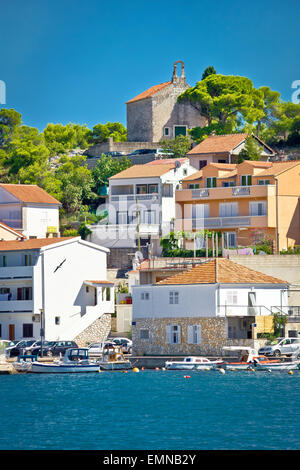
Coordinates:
113 358
75 360
193 363
248 359
24 362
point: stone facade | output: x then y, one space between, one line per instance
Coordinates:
148 116
96 332
213 336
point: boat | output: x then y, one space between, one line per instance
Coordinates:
75 360
193 363
24 363
248 359
113 359
277 365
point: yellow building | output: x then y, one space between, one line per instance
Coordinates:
248 201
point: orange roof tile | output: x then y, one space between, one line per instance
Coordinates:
195 176
101 282
31 243
150 92
164 161
218 143
220 270
144 171
29 193
278 167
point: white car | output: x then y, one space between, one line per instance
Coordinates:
96 349
125 343
286 346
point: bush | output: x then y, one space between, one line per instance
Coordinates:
263 247
70 233
180 253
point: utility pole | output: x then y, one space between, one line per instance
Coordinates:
138 224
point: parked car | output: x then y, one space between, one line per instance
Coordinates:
18 348
154 152
35 348
96 349
279 346
125 343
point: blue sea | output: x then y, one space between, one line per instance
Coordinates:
151 410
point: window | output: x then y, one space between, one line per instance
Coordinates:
193 186
27 330
179 130
149 217
28 260
24 293
258 208
144 334
222 161
194 334
141 189
211 182
4 261
173 334
200 211
145 296
57 320
263 182
173 297
202 163
184 171
231 297
228 209
107 294
122 217
153 188
87 289
229 239
167 131
246 180
227 184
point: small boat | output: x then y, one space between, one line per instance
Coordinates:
248 358
75 360
24 363
193 363
277 365
113 359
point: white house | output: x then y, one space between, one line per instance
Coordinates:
61 281
200 310
29 209
142 203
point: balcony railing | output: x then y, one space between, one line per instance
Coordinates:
289 310
226 192
241 191
198 193
16 272
125 231
7 306
134 197
244 310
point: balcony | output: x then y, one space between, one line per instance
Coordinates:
230 192
134 197
125 231
8 306
243 310
221 222
16 272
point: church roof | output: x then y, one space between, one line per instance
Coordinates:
150 92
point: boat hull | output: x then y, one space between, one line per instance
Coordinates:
38 368
279 366
115 365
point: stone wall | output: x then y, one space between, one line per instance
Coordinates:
127 147
213 336
121 258
96 332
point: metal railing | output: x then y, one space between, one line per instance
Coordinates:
134 197
198 193
289 310
244 310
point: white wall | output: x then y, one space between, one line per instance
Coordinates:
36 219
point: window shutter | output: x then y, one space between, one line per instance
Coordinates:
214 182
179 334
198 334
190 334
168 334
19 293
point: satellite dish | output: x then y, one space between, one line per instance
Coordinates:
177 164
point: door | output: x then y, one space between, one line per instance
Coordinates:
180 130
122 218
11 335
286 346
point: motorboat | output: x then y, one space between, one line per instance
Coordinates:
75 360
277 365
248 359
24 363
113 359
193 363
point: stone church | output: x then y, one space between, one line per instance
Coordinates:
155 114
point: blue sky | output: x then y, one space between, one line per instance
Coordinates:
81 60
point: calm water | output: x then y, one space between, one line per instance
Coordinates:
151 410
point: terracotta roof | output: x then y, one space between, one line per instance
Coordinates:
221 270
165 161
29 193
31 243
224 166
258 163
7 227
150 92
144 171
101 282
278 167
195 176
218 143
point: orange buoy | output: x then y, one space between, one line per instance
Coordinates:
187 376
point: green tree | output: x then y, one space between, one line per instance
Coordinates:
210 70
101 132
222 99
179 146
251 150
60 139
9 121
106 167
